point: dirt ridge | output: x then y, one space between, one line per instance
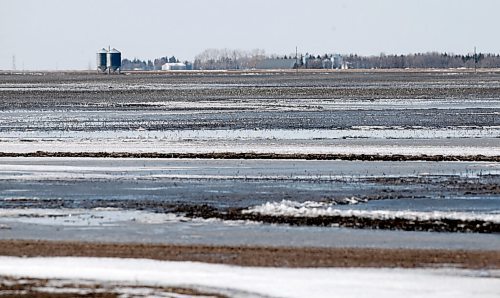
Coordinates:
253 155
259 256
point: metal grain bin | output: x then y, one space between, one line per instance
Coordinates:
114 61
102 60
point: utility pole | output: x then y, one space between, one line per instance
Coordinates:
475 60
108 55
297 59
13 62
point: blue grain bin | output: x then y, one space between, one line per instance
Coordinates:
102 60
114 60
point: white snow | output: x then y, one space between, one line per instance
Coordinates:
275 282
97 217
86 217
372 132
314 209
417 141
232 146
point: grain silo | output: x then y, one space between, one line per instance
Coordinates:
114 60
102 60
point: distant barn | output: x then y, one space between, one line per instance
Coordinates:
276 63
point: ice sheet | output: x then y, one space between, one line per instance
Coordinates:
274 282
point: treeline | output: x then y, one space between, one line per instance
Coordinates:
425 60
213 59
217 59
137 64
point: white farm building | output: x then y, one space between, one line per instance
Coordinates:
174 66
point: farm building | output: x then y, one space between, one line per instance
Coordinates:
174 66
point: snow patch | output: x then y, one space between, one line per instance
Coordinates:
313 209
98 217
276 282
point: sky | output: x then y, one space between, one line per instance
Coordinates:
62 34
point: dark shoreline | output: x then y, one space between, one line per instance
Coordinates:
356 222
253 155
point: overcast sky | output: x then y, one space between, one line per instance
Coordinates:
63 34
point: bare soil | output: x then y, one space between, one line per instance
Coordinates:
38 288
260 256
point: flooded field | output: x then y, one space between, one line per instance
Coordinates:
237 184
406 151
366 113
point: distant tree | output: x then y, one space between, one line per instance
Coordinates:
237 59
423 60
227 59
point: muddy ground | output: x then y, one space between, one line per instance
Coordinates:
54 288
260 256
